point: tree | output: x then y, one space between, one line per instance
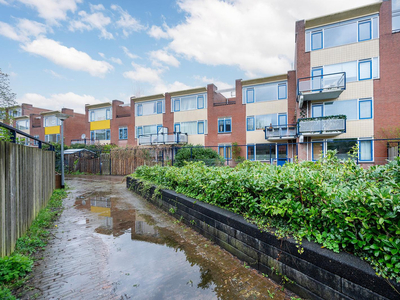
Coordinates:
7 100
7 97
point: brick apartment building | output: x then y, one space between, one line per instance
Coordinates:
344 91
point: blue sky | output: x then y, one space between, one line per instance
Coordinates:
68 53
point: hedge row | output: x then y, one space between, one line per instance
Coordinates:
337 204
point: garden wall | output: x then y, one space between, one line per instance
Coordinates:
315 274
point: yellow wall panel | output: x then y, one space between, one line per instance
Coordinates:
98 125
149 120
196 139
190 115
266 108
52 130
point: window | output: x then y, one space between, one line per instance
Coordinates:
282 93
52 138
159 107
316 40
395 15
23 124
177 128
282 120
123 133
108 114
250 95
51 121
224 125
317 110
103 134
266 120
100 114
251 152
139 131
200 102
250 123
177 105
365 149
188 103
350 68
140 110
190 128
364 31
346 107
365 109
365 70
342 33
200 127
91 117
35 142
266 152
342 147
225 151
317 150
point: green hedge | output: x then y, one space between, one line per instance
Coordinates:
190 153
337 204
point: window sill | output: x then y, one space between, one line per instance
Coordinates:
225 132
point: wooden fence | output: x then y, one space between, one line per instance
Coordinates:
27 180
118 162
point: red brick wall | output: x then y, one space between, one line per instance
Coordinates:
131 128
238 113
168 117
387 88
38 123
74 126
302 67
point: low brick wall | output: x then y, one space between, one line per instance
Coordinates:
316 273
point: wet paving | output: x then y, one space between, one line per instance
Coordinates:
111 244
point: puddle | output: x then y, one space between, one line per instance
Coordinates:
151 256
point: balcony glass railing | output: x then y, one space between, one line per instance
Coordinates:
163 138
280 132
321 87
322 126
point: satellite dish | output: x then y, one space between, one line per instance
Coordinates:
83 136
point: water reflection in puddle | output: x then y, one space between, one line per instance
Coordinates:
151 259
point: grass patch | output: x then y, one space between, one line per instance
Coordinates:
14 268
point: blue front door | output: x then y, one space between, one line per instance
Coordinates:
282 154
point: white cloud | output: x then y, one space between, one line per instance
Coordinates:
56 75
162 87
116 60
58 101
163 56
157 33
97 7
144 74
4 2
52 10
128 53
102 55
127 22
92 21
67 57
23 30
256 35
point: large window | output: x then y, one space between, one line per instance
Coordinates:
100 114
224 125
365 149
190 102
343 33
103 134
123 133
23 124
191 128
265 92
352 109
355 70
52 138
342 147
395 15
150 108
266 120
51 121
250 123
225 151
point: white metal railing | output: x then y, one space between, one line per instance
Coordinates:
280 132
156 139
322 125
322 83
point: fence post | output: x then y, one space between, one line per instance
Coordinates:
172 157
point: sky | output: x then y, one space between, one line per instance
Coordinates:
68 53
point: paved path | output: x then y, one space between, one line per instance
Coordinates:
111 244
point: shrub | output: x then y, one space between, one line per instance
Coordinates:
337 204
13 267
190 153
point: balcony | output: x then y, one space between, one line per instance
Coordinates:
323 126
321 87
163 139
280 132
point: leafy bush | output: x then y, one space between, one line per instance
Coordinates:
12 267
339 205
190 153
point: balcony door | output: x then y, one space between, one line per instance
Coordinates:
282 154
317 79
